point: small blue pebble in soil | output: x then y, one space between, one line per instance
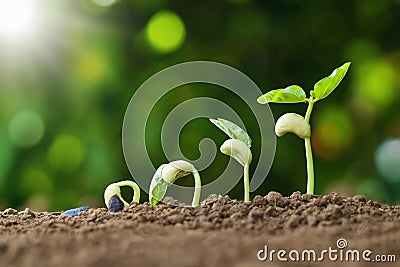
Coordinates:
74 212
115 204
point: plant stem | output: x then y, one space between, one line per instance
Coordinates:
197 189
136 191
309 109
309 157
310 167
246 183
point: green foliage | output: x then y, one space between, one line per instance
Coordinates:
325 86
295 94
290 94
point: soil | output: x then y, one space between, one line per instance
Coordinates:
220 232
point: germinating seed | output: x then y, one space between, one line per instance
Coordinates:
115 204
238 147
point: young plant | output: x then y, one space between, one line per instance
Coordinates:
113 197
238 147
167 174
297 124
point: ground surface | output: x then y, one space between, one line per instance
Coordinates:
221 232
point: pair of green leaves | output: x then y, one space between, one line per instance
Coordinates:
295 94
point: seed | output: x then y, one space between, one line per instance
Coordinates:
115 204
74 212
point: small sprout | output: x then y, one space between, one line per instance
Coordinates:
74 212
295 123
175 170
113 197
238 147
167 174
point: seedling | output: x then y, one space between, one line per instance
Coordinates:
294 123
113 197
167 174
238 147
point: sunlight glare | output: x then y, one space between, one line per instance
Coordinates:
17 17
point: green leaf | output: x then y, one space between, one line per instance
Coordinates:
232 130
158 187
326 85
290 94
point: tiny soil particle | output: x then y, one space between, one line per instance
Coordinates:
10 211
220 232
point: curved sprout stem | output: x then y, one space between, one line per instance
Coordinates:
136 191
197 188
246 183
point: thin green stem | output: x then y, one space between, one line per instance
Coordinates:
197 189
309 157
309 109
246 183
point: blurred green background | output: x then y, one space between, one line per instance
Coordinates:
69 68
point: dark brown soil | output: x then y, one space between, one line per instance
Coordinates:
221 232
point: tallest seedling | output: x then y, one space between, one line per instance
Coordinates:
294 123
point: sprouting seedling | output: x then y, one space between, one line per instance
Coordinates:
167 174
113 198
297 124
238 147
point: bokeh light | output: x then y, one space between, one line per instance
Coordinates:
376 83
17 17
26 129
374 79
35 181
332 131
372 188
387 160
91 68
39 202
7 154
165 32
66 153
